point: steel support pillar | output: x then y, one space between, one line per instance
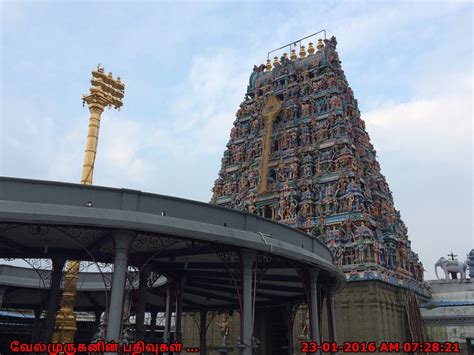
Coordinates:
166 334
140 316
97 315
289 327
122 241
179 310
36 333
54 295
314 299
2 294
248 258
260 331
330 313
154 314
202 332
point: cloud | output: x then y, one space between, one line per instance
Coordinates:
134 151
209 99
162 155
436 128
425 148
32 144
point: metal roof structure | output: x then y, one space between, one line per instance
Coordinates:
41 219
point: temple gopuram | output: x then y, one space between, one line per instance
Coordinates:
299 154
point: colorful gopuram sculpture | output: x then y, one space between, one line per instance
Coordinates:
298 153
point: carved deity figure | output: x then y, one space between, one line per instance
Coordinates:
239 155
351 258
319 85
305 328
419 270
320 230
285 140
402 258
287 211
307 195
377 252
306 210
294 139
305 136
387 258
349 202
339 253
328 197
292 209
319 168
336 204
254 126
227 187
341 185
307 170
282 205
335 102
407 260
322 134
294 170
331 81
306 109
224 328
281 171
251 154
399 258
243 183
305 90
267 88
235 185
101 330
217 189
360 250
234 133
251 178
251 207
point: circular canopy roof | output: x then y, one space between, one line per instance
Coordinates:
176 237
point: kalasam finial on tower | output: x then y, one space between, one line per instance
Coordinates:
293 55
268 66
320 44
275 61
302 52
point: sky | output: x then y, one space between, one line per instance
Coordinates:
186 66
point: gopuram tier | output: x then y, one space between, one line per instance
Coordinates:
299 154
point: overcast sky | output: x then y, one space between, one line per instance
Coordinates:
186 66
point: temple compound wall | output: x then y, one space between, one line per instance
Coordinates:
449 315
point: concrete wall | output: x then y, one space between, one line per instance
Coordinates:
449 314
370 311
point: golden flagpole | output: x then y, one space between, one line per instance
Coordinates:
104 92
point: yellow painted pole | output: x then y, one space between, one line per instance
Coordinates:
91 144
105 91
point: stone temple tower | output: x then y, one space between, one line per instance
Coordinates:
299 153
